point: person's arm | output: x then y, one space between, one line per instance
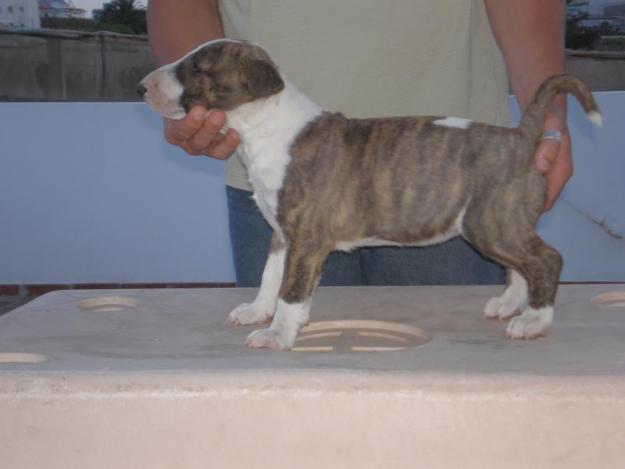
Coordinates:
530 35
175 28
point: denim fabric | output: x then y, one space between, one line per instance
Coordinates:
452 263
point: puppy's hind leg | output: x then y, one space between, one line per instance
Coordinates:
263 307
536 264
512 301
542 270
302 271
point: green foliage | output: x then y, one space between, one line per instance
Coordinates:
581 37
606 29
116 28
123 16
74 24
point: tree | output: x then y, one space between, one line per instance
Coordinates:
123 16
579 36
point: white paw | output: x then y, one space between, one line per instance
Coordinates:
531 324
498 308
245 314
269 338
491 310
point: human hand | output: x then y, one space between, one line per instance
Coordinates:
197 133
553 158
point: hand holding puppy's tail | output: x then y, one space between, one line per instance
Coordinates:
534 116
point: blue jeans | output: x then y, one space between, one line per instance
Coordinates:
452 263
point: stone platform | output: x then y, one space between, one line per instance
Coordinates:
385 377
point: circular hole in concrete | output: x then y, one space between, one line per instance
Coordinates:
358 336
615 299
10 358
107 303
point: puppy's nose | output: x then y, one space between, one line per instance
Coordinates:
141 90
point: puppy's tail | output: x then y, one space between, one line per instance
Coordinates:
534 116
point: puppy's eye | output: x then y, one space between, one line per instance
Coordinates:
196 70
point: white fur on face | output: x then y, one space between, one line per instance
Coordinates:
513 300
531 324
456 122
281 335
163 92
264 306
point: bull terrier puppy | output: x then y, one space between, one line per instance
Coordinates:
325 182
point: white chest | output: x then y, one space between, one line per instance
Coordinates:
267 183
268 128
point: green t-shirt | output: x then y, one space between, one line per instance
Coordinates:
373 58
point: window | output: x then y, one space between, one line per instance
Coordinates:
21 9
10 9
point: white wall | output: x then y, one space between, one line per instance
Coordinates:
587 225
91 193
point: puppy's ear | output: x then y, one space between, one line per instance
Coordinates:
261 78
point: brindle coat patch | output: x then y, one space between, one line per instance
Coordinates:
211 80
406 180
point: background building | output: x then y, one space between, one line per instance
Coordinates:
19 14
60 9
598 7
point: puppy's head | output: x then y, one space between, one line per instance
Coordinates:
219 74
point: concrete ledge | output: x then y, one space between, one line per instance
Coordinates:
166 382
327 419
50 65
601 70
596 54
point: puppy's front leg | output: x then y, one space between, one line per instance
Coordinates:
264 306
303 267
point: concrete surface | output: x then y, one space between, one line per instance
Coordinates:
159 379
53 65
602 71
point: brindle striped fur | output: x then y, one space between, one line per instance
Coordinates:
212 81
405 180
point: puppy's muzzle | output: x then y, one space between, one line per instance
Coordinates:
161 90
